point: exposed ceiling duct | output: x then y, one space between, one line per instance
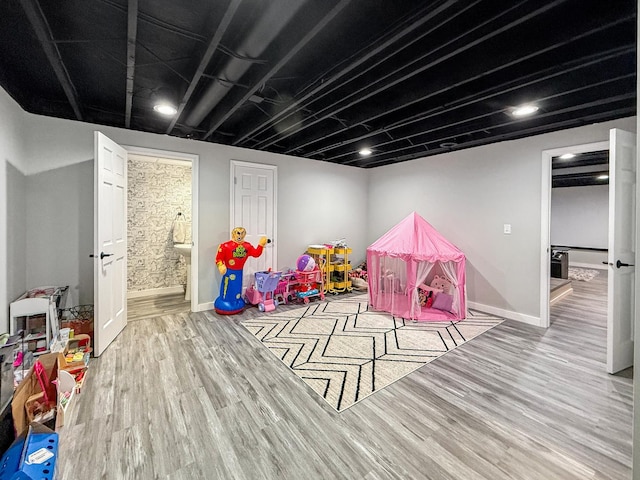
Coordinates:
267 28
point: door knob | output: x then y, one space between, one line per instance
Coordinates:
102 255
620 264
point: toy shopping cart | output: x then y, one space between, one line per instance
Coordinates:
262 292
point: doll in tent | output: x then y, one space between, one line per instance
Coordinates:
230 260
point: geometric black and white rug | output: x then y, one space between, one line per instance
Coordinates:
345 352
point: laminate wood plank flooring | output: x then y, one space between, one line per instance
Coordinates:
559 288
139 308
196 396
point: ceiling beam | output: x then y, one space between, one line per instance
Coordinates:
560 125
367 54
220 118
412 136
206 58
143 17
43 32
396 77
391 156
482 96
132 33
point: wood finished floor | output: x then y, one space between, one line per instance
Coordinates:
156 305
195 396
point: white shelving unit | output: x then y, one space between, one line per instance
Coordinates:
23 310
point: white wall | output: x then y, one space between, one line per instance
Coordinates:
317 201
11 143
580 216
468 196
16 232
59 224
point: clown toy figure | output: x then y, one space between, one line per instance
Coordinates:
230 260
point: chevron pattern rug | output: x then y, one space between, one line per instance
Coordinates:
345 352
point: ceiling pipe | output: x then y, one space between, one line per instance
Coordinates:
551 126
396 77
132 33
220 117
267 28
545 128
206 58
43 32
316 92
494 91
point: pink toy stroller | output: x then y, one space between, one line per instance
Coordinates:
262 292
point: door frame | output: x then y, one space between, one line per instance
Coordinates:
194 159
545 220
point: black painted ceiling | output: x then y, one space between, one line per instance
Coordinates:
323 78
581 170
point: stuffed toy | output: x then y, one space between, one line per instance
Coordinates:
427 288
422 297
442 283
230 260
426 295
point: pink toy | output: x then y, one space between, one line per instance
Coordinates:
263 292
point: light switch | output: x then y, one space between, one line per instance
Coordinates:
507 229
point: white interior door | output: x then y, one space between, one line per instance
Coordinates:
110 241
253 206
622 208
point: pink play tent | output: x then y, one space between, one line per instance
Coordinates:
415 273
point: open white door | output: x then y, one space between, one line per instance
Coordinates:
110 241
253 203
622 246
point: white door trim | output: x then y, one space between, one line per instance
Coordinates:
194 159
239 163
545 219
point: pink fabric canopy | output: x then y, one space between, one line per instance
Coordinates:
409 255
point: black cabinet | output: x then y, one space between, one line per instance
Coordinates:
560 263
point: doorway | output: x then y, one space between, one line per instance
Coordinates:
162 271
579 221
621 243
546 245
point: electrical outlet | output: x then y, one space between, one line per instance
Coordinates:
507 229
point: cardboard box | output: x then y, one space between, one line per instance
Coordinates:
29 389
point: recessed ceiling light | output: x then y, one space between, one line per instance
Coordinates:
567 156
165 109
524 110
365 151
603 177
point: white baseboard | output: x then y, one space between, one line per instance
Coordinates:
597 266
203 307
501 312
155 291
561 296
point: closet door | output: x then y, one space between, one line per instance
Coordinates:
253 206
